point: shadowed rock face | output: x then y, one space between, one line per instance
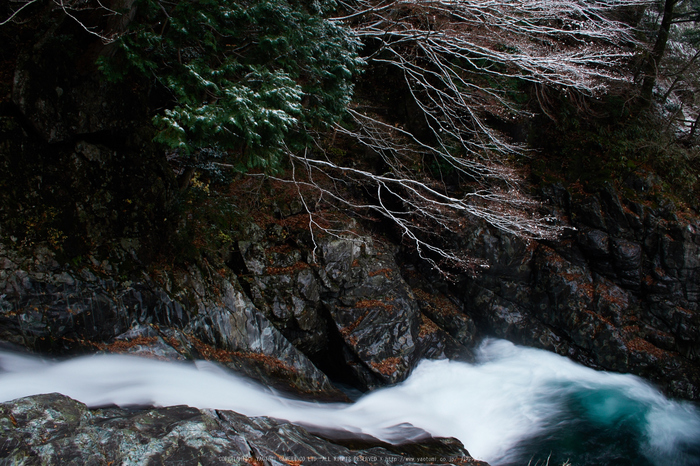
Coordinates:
620 293
46 309
350 312
353 301
619 299
55 430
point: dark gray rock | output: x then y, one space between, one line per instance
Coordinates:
615 214
447 315
46 308
284 286
623 296
627 257
57 88
374 309
348 306
594 242
55 430
589 212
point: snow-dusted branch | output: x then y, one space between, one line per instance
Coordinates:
18 11
425 215
461 62
106 37
70 7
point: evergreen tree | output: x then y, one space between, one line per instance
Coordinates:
240 74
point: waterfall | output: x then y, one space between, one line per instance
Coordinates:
513 405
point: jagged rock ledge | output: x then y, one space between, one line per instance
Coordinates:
53 429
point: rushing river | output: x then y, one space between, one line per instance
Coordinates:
513 406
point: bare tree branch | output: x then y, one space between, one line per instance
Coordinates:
457 59
30 2
425 213
105 38
451 51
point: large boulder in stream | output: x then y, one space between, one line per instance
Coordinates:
53 429
346 304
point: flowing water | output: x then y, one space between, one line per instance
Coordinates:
513 406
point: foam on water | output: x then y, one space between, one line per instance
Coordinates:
513 404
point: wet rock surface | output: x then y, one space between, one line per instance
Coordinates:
53 429
351 308
288 319
45 308
618 293
622 299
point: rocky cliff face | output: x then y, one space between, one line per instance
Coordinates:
364 330
350 311
620 292
47 309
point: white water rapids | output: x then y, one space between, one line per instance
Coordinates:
511 396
